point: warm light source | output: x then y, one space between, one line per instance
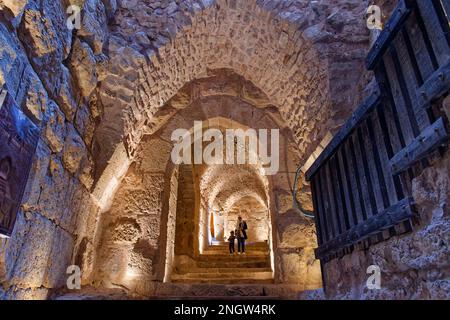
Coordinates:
131 274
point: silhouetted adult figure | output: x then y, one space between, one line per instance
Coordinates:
241 234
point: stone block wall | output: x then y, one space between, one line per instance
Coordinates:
43 66
256 216
130 247
267 42
89 89
185 236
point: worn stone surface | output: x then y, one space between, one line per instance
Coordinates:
93 24
74 150
83 65
275 44
47 41
256 216
34 49
111 94
232 189
55 131
11 62
23 274
16 6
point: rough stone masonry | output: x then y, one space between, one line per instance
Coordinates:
102 193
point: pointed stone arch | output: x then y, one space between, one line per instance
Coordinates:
244 36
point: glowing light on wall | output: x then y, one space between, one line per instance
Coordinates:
130 274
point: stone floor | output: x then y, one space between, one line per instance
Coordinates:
203 291
182 291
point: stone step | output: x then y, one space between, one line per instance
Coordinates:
223 281
189 291
226 249
247 244
227 253
253 263
241 291
228 270
224 275
233 264
236 257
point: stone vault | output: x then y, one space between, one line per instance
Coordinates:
102 193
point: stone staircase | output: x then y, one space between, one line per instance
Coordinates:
217 276
216 266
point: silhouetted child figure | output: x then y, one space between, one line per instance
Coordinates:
231 242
